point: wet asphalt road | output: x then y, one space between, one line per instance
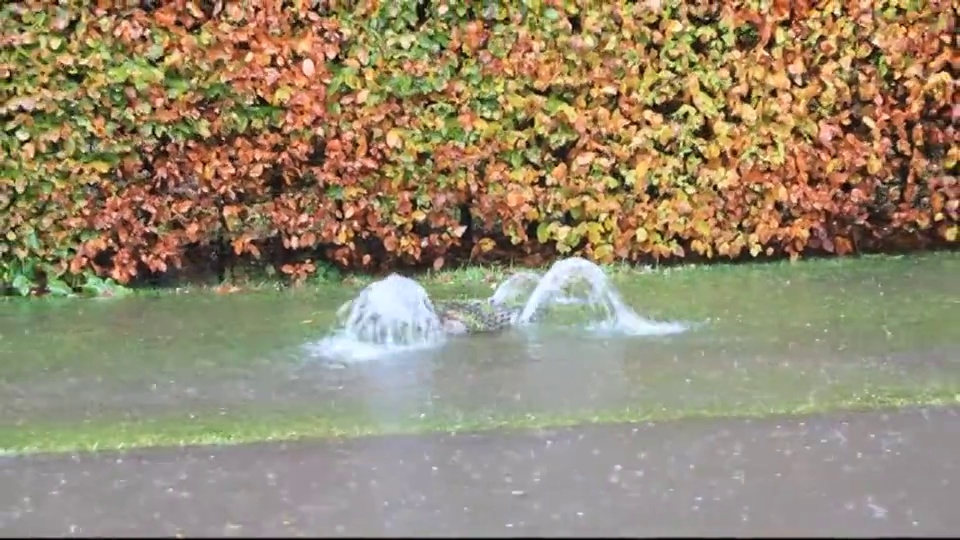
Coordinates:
863 474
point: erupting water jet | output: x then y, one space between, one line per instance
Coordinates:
396 314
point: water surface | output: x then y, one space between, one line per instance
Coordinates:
762 335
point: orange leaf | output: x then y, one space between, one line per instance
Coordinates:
842 245
238 245
514 199
936 203
390 243
227 288
827 132
559 173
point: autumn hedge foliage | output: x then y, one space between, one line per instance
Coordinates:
375 134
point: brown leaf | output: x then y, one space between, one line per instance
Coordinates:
438 263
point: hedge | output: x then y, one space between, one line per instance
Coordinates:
373 135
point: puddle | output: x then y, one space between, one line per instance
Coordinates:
766 334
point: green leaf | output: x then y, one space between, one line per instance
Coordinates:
203 128
543 232
22 284
56 287
101 167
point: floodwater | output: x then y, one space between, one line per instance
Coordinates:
763 335
854 474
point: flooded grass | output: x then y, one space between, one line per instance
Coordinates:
197 431
197 366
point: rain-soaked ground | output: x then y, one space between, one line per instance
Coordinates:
863 474
201 367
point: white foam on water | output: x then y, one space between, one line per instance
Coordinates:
343 346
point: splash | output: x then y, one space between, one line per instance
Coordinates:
590 297
389 316
395 315
516 289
